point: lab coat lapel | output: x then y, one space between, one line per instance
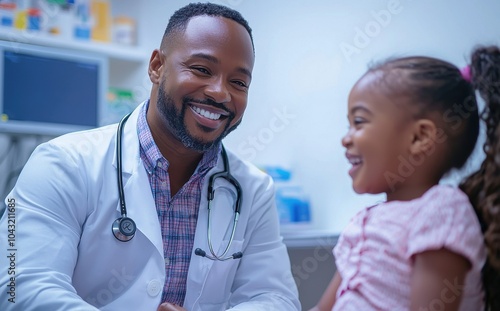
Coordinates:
222 220
137 190
141 206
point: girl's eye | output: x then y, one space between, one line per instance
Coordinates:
358 121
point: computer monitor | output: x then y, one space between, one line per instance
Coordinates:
50 91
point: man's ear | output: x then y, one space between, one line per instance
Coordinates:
155 65
424 136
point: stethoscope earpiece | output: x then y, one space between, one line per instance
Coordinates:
124 229
202 253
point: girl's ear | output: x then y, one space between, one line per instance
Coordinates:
424 136
155 65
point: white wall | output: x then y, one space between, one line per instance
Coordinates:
297 107
301 69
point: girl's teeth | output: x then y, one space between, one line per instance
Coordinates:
355 161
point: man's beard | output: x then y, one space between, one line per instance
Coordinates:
175 121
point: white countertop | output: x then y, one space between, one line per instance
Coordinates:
298 235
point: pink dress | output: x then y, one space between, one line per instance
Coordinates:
374 253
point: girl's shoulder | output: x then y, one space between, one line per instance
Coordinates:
438 199
443 207
445 218
445 199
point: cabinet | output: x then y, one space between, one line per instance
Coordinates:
127 64
66 81
113 51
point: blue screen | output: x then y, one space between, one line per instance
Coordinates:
50 90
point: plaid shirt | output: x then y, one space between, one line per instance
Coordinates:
178 214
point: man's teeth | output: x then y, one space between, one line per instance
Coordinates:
207 114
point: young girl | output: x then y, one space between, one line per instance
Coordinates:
411 121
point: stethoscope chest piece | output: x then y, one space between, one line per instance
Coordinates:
124 229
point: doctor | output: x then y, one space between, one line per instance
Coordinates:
161 254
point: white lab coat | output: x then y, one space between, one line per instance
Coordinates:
67 258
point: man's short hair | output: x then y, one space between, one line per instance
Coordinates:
179 20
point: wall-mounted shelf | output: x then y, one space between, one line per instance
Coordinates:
113 51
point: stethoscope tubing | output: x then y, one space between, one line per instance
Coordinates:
124 227
121 194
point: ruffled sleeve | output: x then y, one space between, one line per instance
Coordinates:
446 219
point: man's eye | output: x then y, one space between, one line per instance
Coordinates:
202 70
240 83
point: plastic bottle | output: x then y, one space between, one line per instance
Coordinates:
34 19
7 13
21 15
58 18
82 20
291 200
124 30
101 16
302 207
281 178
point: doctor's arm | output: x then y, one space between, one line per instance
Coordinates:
264 280
45 210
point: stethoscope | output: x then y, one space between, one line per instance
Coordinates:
124 227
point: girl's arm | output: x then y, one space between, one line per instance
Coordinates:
438 279
328 298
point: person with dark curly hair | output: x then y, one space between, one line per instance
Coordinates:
430 246
483 187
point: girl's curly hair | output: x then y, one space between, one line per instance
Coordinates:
483 186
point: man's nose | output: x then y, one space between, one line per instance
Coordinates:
217 90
